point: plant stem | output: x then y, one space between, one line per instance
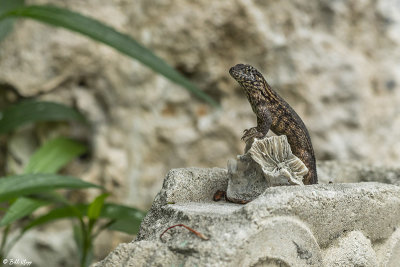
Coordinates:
4 241
101 228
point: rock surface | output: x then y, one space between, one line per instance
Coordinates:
268 162
354 172
335 62
318 225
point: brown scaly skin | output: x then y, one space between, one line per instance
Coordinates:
275 113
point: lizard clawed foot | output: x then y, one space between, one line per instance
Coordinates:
248 133
219 195
251 133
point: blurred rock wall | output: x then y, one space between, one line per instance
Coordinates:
336 62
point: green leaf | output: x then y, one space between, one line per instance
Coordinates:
7 24
57 214
125 226
98 31
22 185
128 219
116 211
54 155
96 206
50 196
33 111
21 208
78 238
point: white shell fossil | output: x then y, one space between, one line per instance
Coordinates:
275 157
269 162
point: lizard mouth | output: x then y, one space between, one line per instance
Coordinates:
236 70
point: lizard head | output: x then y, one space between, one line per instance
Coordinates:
246 75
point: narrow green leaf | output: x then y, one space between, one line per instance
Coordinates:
33 111
127 219
54 155
7 24
22 185
57 214
98 31
116 211
50 196
96 206
126 226
78 238
21 208
7 5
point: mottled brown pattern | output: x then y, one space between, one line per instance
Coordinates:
275 113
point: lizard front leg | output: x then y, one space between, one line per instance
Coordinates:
264 121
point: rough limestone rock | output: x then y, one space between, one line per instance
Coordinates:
268 162
354 172
353 224
335 62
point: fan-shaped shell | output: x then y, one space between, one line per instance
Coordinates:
275 158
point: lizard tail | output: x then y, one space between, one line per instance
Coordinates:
311 177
